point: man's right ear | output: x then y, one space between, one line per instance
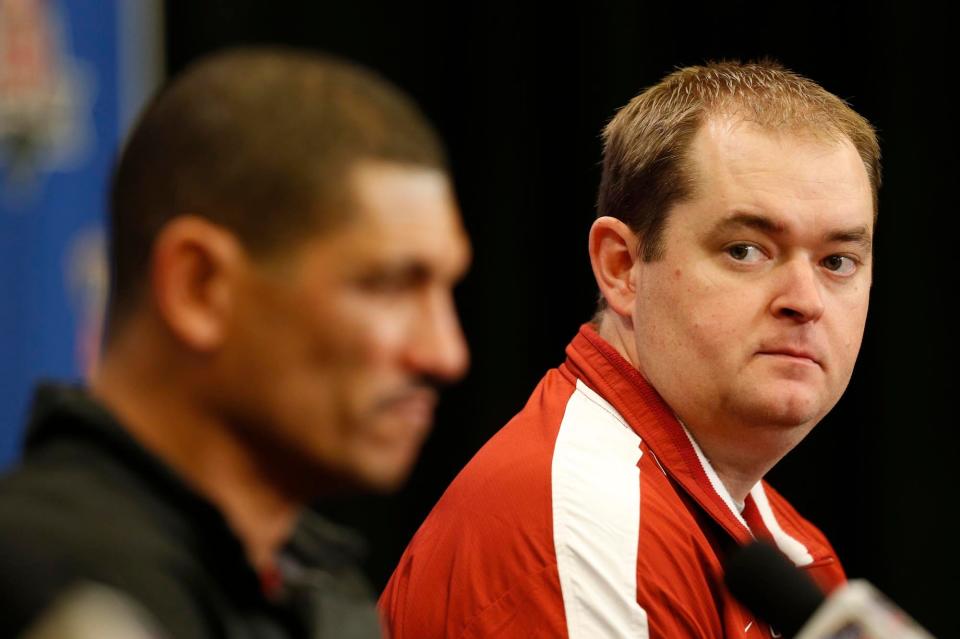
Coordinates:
194 275
614 249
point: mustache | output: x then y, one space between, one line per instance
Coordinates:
426 388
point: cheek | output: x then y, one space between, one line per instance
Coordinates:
379 334
699 314
363 341
346 327
849 331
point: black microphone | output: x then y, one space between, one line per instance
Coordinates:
775 590
772 588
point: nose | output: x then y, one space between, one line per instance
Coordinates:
438 348
799 296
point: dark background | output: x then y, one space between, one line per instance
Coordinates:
520 94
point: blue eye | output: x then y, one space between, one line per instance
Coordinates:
747 253
839 264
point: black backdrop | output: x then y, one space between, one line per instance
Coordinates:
520 94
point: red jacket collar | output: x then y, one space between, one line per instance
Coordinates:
595 362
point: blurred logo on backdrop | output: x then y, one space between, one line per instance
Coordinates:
72 74
45 96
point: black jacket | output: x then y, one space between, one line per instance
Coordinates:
89 504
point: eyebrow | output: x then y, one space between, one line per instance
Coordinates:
859 235
419 269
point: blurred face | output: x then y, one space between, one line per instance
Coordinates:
338 347
756 312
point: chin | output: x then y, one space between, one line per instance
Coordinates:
381 483
790 416
789 408
382 473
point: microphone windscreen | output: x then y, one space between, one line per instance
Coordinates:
772 587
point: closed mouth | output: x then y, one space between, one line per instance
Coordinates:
792 353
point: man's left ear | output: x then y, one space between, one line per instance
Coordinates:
195 268
613 253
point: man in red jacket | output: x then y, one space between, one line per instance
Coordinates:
733 254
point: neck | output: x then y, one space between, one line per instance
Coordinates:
740 454
741 457
157 405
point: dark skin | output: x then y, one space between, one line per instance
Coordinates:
266 383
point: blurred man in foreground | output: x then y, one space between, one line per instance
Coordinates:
284 241
733 255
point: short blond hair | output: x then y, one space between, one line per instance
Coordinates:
645 164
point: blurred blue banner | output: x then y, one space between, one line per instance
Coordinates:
72 73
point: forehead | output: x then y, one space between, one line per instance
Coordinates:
791 173
397 213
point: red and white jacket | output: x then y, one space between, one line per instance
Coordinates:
591 514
